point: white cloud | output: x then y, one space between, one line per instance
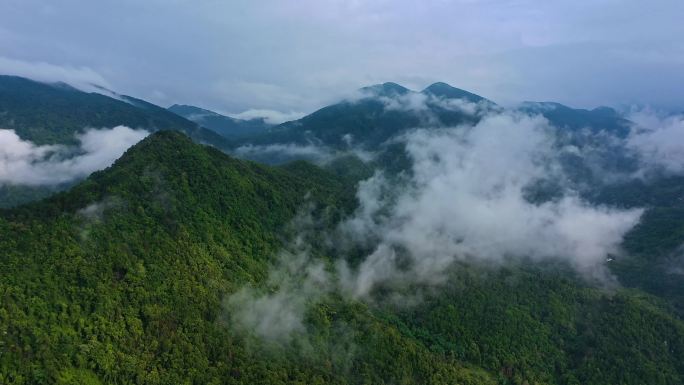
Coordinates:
658 140
22 162
281 153
466 200
269 116
83 78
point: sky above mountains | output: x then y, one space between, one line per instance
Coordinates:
294 57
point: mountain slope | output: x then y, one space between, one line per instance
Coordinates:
599 119
52 113
223 125
140 257
121 280
445 91
382 111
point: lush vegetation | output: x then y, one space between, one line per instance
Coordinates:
121 281
654 261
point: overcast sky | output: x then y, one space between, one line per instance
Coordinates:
295 56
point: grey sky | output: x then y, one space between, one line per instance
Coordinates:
295 56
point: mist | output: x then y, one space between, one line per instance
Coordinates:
283 153
269 116
658 140
295 281
464 199
24 163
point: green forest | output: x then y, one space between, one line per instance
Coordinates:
122 280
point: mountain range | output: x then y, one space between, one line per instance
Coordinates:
181 263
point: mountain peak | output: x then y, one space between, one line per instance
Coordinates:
386 89
444 90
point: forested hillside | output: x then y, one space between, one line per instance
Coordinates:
123 280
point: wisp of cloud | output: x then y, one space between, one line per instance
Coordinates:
24 163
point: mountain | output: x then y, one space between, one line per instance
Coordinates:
388 90
124 279
385 110
53 113
445 91
381 112
599 119
223 125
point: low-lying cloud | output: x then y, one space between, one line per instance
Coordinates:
296 281
24 163
658 141
282 153
466 200
269 116
420 102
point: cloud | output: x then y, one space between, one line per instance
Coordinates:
420 102
94 212
295 282
83 78
282 153
465 200
269 116
658 141
24 163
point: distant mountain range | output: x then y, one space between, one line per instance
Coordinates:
223 125
385 110
51 113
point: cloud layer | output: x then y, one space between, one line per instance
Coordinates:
658 141
269 116
283 153
466 200
24 163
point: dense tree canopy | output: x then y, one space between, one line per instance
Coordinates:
121 280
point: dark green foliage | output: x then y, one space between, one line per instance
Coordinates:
350 169
544 327
655 259
130 291
15 195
